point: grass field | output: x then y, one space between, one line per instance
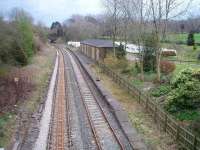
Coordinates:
184 52
173 37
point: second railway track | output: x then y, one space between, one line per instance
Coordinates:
105 135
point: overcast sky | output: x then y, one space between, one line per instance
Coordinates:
48 11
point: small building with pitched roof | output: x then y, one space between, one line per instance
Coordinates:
96 49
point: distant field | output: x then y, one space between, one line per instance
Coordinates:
182 37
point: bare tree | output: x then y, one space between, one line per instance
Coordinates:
161 12
80 27
136 13
113 10
152 16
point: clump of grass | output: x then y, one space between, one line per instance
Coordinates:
6 127
160 91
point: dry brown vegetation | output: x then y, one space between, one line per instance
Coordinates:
16 86
23 99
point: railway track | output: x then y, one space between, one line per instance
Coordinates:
65 132
60 126
105 136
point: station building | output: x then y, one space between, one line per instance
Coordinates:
96 49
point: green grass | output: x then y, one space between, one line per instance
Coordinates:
161 90
138 83
184 52
6 120
178 37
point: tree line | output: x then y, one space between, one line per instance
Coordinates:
134 21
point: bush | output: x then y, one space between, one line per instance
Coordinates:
185 93
187 115
167 67
16 39
20 56
194 47
25 34
190 40
162 90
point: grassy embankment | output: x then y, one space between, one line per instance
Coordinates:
40 68
139 119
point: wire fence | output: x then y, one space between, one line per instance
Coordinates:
164 121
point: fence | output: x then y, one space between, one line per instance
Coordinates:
164 121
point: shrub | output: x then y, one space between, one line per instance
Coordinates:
25 34
16 39
190 40
167 67
185 93
162 90
187 115
194 47
20 56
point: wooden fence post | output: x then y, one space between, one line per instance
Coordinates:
155 113
147 101
128 88
195 143
177 131
139 96
165 123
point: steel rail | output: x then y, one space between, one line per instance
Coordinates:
98 104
